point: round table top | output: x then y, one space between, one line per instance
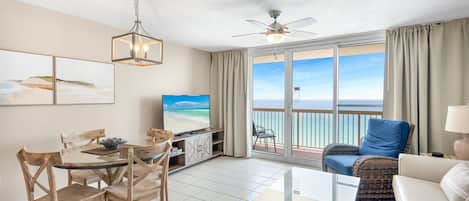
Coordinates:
75 158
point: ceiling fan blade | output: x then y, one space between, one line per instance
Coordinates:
249 34
301 34
259 24
300 23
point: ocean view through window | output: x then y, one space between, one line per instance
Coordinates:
360 96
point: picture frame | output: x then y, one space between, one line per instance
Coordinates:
79 81
29 79
26 78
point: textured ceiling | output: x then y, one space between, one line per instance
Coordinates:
209 24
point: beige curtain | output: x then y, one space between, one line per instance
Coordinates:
427 69
228 89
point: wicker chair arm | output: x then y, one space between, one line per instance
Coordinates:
370 165
376 173
336 149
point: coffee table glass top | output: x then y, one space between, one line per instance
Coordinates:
298 184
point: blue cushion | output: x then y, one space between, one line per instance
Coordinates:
385 138
342 164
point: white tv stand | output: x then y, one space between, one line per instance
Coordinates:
196 147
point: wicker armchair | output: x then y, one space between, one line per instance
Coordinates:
375 172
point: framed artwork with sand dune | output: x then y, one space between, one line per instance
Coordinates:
26 79
83 82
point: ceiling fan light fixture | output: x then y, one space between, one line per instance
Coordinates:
276 32
275 37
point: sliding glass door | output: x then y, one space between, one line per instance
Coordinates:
360 92
310 97
313 101
268 112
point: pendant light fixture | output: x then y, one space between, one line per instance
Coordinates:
137 47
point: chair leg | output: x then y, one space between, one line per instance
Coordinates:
255 142
275 147
162 197
69 177
99 185
166 189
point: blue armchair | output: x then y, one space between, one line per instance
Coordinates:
374 161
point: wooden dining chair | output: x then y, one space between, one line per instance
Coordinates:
149 185
158 135
83 139
46 161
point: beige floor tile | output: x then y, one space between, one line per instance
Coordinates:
225 179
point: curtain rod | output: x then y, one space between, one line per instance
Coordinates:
431 23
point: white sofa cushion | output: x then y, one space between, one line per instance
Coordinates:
455 183
410 189
434 168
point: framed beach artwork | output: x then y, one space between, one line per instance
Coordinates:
26 79
83 82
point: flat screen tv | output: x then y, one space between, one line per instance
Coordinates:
186 113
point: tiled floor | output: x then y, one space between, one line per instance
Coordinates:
302 152
224 179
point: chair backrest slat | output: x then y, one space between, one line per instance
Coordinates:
83 138
158 135
45 161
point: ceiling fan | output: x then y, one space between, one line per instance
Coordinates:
276 32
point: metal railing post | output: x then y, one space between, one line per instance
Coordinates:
359 129
298 130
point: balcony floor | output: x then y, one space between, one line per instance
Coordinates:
302 152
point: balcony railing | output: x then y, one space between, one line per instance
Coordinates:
313 128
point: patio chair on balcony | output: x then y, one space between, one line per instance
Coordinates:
261 133
375 161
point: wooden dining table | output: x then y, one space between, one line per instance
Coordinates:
110 167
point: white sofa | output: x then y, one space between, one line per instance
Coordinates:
419 178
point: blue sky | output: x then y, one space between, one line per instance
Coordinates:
361 77
186 102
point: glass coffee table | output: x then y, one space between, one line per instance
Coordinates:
298 184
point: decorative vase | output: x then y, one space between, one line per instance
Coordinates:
461 148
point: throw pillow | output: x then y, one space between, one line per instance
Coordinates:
455 183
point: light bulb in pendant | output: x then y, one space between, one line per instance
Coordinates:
136 48
145 50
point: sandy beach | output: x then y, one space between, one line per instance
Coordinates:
28 93
178 123
70 93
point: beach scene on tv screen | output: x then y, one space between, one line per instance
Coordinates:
186 113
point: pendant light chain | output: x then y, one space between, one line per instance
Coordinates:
137 27
136 10
137 17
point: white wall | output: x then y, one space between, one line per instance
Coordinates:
138 90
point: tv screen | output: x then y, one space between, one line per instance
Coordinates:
185 113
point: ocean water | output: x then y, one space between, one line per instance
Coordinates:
192 112
357 105
315 129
